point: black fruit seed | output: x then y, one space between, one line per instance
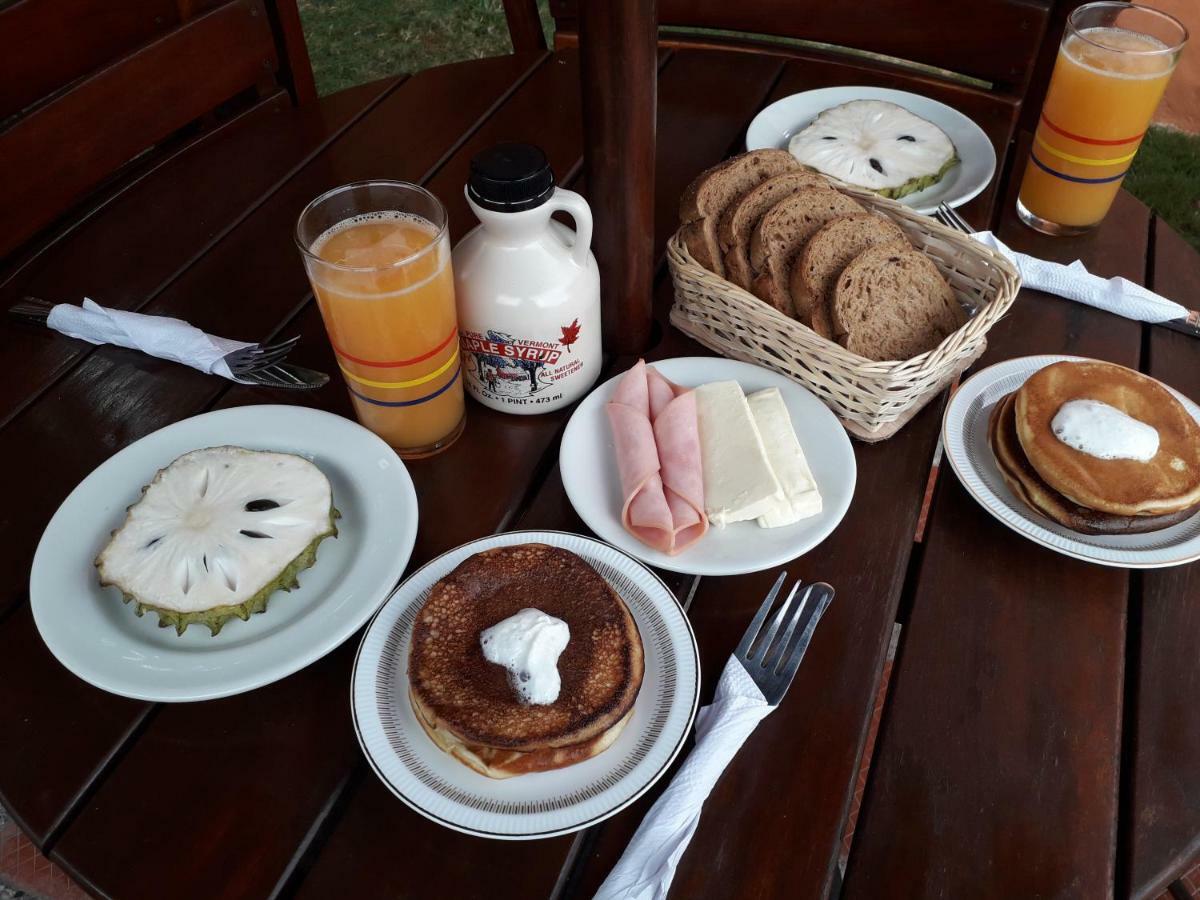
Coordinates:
876 165
261 505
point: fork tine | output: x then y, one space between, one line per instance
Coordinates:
963 222
254 363
283 376
764 647
281 345
771 663
743 648
959 222
824 598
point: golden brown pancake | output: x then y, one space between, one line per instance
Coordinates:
1168 483
466 703
1023 480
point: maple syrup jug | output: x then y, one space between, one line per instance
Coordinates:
528 288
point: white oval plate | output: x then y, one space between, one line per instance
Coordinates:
964 435
775 125
99 638
589 472
541 804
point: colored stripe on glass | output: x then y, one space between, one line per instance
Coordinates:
1065 177
1088 140
400 362
1083 160
412 382
445 387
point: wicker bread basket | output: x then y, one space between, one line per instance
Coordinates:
872 399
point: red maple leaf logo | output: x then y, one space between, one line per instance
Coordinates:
570 334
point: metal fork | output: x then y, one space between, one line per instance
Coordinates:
771 660
773 663
1189 324
242 363
258 357
951 219
288 377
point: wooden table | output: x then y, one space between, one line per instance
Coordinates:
1041 736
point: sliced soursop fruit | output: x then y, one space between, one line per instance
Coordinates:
876 145
216 533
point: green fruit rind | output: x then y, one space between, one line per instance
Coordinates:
918 184
216 617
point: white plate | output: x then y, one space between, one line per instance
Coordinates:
542 804
775 125
589 473
99 638
964 434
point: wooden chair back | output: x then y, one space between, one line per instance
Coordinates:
89 88
992 41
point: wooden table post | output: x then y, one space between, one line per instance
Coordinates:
619 72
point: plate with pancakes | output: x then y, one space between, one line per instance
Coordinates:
465 741
1088 458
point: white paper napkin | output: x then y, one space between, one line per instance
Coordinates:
645 870
159 336
1116 295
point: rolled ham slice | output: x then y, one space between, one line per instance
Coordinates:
658 456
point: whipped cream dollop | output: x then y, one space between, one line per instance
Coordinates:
1103 431
528 645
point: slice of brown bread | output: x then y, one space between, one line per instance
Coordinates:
828 252
707 197
740 217
782 234
893 303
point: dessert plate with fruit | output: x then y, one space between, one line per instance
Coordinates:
223 552
905 146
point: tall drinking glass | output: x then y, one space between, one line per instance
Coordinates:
378 256
1113 66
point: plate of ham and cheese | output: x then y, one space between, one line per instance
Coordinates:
707 466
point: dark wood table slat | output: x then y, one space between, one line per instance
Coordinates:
59 733
76 138
996 772
161 393
128 250
221 806
1164 776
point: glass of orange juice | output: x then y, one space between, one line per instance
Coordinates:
378 256
1113 66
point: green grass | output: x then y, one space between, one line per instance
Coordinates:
355 41
1166 177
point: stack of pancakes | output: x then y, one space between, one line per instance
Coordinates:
467 705
1083 492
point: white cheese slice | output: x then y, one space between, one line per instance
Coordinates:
801 496
738 482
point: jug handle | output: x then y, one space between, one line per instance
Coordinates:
577 208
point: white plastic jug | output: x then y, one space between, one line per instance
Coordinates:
527 287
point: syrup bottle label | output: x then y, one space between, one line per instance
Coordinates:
516 370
